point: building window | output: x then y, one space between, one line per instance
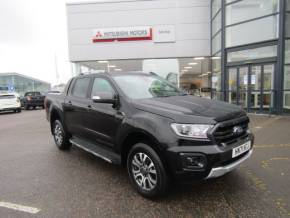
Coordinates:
254 31
287 88
216 77
250 9
216 6
287 77
287 25
191 74
287 51
216 23
252 54
216 43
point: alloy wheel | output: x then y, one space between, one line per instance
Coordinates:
58 134
144 171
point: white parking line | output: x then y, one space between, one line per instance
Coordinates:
19 207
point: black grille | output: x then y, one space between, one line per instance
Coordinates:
224 134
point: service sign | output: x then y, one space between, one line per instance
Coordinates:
122 34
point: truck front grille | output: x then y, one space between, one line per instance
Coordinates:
224 133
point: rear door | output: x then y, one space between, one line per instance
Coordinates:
76 106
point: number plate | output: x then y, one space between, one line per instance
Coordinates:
241 149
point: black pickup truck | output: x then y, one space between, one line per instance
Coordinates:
32 99
149 126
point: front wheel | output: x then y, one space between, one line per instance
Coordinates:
60 136
146 171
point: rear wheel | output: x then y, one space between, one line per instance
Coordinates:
60 136
146 171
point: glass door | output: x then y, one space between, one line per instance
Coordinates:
243 87
268 92
237 86
254 84
252 87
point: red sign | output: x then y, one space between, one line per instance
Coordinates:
122 34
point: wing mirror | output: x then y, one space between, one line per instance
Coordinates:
105 97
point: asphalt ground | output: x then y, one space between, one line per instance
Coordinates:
52 183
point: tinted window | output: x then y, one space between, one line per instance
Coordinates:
81 87
101 85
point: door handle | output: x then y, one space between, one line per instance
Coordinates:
69 102
89 106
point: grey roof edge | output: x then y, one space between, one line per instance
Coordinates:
24 76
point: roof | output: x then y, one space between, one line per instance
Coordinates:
23 76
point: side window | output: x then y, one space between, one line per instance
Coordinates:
101 85
80 88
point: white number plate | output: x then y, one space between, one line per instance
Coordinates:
241 149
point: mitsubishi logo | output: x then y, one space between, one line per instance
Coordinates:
238 130
99 34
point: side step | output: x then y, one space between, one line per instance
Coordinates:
96 150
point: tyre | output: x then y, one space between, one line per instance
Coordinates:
146 171
60 136
19 110
34 107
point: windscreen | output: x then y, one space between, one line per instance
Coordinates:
146 86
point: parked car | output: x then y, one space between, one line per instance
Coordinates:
10 102
146 124
33 99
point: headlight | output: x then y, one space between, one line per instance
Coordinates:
191 130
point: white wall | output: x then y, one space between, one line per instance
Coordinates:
191 19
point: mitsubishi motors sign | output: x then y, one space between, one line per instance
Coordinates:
122 34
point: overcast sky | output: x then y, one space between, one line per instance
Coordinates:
32 33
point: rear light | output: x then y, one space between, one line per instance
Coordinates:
17 99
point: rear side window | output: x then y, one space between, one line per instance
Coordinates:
32 94
101 85
80 88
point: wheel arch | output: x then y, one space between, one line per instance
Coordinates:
54 115
135 137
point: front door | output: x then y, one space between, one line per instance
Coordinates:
252 87
102 121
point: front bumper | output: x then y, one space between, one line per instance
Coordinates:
220 171
219 160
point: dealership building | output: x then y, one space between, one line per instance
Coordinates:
238 50
19 83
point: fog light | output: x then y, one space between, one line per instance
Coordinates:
194 161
